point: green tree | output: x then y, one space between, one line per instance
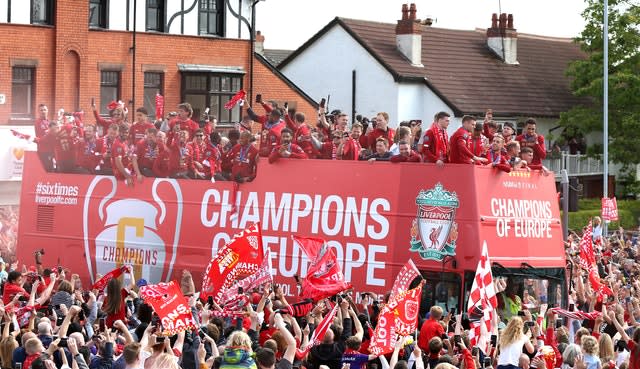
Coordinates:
624 80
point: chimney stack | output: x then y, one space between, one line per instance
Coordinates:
409 35
258 44
502 38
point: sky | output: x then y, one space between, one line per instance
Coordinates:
287 24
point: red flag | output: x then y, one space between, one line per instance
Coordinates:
21 135
482 302
588 262
318 333
324 275
407 274
383 339
609 209
407 309
159 106
587 256
102 282
171 306
240 95
242 256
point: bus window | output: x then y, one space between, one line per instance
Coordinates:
525 293
441 289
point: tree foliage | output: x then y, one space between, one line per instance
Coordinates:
624 80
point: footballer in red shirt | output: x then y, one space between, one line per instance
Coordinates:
286 149
244 158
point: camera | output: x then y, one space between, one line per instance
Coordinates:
39 252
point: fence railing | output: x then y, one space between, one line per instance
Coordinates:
575 164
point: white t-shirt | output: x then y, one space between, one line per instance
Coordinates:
511 354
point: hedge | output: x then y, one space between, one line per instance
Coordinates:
628 213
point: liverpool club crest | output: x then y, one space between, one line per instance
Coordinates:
434 231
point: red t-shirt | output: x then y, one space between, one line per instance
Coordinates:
120 149
430 328
138 131
120 315
147 153
244 161
11 290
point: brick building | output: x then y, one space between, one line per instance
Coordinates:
64 53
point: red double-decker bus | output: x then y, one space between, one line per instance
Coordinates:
376 216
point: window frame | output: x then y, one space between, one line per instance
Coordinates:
203 7
148 86
49 12
209 92
29 113
103 16
161 15
104 84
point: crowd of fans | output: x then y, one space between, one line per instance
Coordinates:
8 232
180 147
69 325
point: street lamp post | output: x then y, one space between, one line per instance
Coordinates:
605 107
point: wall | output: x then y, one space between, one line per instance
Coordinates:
47 47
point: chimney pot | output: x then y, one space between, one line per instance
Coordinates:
412 11
503 20
510 21
258 45
405 12
494 20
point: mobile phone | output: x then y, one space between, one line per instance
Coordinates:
59 320
258 98
210 300
159 339
474 351
240 290
530 323
457 338
558 323
103 324
202 332
18 365
494 340
520 313
452 311
572 307
57 306
286 104
323 101
63 342
487 362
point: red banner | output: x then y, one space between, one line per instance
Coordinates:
171 306
102 282
324 277
406 307
609 209
240 95
262 276
384 336
241 257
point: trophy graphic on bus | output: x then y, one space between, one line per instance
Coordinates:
127 230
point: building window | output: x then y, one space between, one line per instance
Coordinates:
109 89
22 92
155 15
210 20
152 85
212 90
98 13
42 12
